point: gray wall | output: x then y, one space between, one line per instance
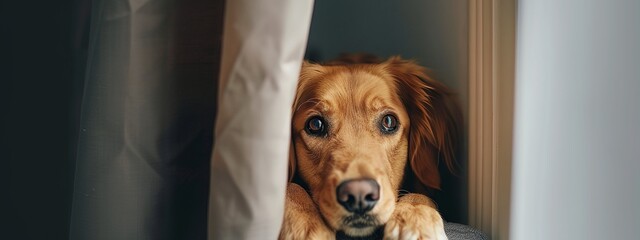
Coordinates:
435 33
577 114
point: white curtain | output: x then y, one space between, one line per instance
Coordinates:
577 115
264 42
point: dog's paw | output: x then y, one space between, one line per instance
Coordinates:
302 219
415 222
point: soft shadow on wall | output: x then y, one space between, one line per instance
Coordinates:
435 33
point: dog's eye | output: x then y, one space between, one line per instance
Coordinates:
389 124
316 126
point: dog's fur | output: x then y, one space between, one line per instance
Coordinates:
353 94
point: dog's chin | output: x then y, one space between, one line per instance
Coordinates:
359 225
359 231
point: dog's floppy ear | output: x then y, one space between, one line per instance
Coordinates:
308 72
434 116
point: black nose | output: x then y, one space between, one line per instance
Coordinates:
358 196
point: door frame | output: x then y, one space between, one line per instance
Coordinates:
492 38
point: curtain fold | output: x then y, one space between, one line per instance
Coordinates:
263 46
147 114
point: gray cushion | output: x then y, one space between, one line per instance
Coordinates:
456 231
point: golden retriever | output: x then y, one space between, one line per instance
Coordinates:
361 130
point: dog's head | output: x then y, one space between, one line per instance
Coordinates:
357 127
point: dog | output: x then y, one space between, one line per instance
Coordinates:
363 130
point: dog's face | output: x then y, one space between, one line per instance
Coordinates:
355 128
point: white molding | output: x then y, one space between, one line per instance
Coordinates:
491 78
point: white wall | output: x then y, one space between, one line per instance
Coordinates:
577 123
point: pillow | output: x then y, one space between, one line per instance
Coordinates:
454 231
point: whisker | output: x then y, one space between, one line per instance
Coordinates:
314 101
402 192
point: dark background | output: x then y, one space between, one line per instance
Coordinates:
44 45
40 89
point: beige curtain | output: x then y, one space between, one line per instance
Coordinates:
264 42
